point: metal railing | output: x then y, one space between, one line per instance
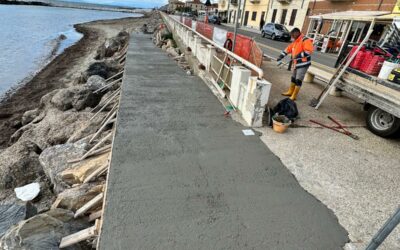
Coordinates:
246 63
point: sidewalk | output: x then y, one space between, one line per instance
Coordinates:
183 176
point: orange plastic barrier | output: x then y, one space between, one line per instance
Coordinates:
188 22
256 54
246 48
205 29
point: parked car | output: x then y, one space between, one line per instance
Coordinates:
276 32
214 19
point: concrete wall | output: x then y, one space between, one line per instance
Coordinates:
248 94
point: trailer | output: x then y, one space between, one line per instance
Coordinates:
341 33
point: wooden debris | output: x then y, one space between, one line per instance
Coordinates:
95 215
80 171
96 173
112 77
115 95
102 150
93 149
109 120
93 202
81 235
107 86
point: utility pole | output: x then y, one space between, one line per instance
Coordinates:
243 14
236 26
229 11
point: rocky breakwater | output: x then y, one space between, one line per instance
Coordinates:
56 160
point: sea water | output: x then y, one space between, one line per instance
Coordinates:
28 37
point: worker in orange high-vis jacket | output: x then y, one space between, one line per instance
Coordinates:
300 49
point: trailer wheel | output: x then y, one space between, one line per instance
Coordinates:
382 123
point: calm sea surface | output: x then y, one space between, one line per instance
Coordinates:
28 35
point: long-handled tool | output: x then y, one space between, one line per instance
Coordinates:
340 128
314 102
341 69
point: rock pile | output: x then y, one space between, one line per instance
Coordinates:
64 146
163 39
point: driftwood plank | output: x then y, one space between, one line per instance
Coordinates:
95 173
78 237
95 215
93 202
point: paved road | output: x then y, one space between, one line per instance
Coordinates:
273 48
183 176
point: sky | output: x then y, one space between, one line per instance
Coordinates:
128 3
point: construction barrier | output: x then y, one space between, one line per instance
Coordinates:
187 22
205 29
219 36
245 46
194 24
256 54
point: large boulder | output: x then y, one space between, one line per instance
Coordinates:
63 99
84 97
43 231
95 82
29 116
19 164
78 97
74 198
11 214
45 101
105 69
123 37
54 160
112 46
56 128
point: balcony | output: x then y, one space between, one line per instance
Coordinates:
254 1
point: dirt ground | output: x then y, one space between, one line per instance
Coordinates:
61 72
358 180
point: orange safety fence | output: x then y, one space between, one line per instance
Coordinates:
245 46
256 54
205 29
187 22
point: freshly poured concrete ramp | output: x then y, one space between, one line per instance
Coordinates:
185 177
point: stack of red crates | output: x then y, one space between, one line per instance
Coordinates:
356 63
372 63
366 61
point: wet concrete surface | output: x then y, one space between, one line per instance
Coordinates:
183 176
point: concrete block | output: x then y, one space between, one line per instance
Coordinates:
211 52
257 95
309 78
240 79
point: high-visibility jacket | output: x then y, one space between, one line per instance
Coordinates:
301 50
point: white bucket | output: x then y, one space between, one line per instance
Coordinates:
387 67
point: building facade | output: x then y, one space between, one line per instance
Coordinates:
316 7
195 5
291 13
174 5
254 12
